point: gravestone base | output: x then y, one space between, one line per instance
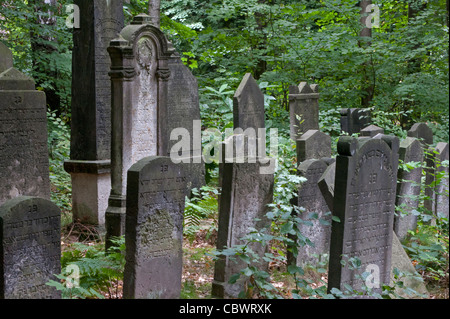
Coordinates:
91 185
115 218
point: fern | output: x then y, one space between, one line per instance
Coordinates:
201 206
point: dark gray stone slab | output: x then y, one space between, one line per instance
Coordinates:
6 57
248 105
422 132
316 211
408 187
243 206
442 171
313 144
326 185
154 229
303 103
100 22
371 131
183 117
30 248
364 202
24 166
354 120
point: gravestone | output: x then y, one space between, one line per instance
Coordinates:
143 114
183 113
24 165
246 191
408 187
313 144
139 76
354 120
303 103
30 248
424 134
364 202
371 131
90 149
154 229
326 184
441 192
316 211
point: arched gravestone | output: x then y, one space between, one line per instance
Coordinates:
30 248
154 229
364 202
24 166
143 70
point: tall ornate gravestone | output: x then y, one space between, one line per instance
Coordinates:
90 150
149 100
246 192
154 229
30 248
23 134
303 103
354 120
364 202
408 187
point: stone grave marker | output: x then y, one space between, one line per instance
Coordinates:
183 113
139 76
326 184
313 144
144 72
246 192
364 202
408 187
441 192
371 131
154 229
424 134
90 149
24 165
316 211
303 102
354 120
30 248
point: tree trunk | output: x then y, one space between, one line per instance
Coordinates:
368 83
154 10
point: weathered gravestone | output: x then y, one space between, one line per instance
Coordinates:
246 192
442 171
354 120
90 148
400 259
424 134
315 211
154 229
23 134
142 63
183 118
30 248
371 131
364 202
408 187
313 144
303 104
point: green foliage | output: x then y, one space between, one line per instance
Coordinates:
59 148
201 206
89 272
